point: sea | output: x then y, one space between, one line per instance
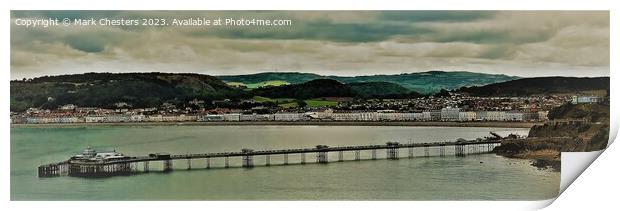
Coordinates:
473 177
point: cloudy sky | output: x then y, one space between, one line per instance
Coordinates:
521 43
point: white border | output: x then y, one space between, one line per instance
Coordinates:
589 197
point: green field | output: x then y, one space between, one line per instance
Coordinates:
258 85
320 103
290 103
235 84
275 100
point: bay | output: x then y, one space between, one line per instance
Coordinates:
474 177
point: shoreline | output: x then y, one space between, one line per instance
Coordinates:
266 123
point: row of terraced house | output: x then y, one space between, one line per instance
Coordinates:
446 114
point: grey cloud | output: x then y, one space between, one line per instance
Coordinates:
60 14
436 16
325 30
338 42
494 37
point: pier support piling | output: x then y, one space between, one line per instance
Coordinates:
442 150
373 154
459 150
426 151
303 158
410 149
285 159
267 160
340 156
167 166
208 166
189 164
392 150
247 161
145 165
321 157
247 158
357 155
392 153
226 163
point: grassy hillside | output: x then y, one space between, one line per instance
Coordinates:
105 89
308 90
378 89
539 86
258 85
432 81
331 88
290 77
293 103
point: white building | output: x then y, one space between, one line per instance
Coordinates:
467 116
426 116
387 116
94 119
69 120
232 117
408 116
68 107
170 118
344 116
495 116
117 118
288 117
586 99
367 116
542 115
137 118
450 114
514 116
418 116
187 118
481 116
155 118
256 117
211 118
327 114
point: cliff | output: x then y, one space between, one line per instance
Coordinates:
573 128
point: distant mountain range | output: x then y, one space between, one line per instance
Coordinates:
153 89
422 82
332 88
537 86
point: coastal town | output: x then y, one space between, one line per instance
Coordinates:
452 108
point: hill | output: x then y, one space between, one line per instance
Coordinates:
432 81
258 85
311 89
332 88
537 86
290 77
381 89
422 82
105 89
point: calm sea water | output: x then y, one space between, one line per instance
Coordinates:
475 177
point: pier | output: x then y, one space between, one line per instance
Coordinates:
105 164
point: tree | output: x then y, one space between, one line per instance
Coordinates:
301 103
